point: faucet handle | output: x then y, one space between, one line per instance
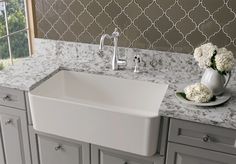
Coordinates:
116 33
137 61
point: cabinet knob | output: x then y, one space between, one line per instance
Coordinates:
8 122
7 98
59 147
206 138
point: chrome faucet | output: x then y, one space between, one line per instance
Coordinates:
116 62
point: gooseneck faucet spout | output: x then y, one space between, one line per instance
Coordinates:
116 62
102 42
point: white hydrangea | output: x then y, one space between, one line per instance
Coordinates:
198 93
203 55
225 60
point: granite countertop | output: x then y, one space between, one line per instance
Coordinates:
177 70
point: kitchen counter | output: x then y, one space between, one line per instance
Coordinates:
177 70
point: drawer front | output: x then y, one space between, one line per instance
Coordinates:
12 98
182 154
53 151
201 135
101 155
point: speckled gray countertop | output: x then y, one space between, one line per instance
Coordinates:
177 70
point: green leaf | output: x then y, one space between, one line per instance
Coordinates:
182 94
213 98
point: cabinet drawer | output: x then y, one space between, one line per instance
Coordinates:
54 151
182 154
201 135
12 98
101 155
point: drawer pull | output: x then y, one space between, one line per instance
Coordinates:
8 122
7 98
206 138
59 147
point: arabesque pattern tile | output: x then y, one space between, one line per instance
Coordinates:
168 25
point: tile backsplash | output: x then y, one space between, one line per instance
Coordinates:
168 25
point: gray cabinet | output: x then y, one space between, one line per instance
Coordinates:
14 141
49 149
101 155
182 154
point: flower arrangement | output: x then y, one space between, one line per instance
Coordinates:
198 93
218 63
210 56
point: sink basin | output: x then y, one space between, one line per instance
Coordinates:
102 110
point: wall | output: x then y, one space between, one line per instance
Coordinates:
169 25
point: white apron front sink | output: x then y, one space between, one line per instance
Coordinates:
102 110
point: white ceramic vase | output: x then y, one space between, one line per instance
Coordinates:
215 81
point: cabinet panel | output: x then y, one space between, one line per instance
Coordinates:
181 154
101 155
14 136
12 140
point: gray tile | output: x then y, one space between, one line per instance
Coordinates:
142 22
165 4
76 7
141 42
175 13
196 38
122 21
154 11
220 39
186 25
143 4
173 36
60 27
213 5
196 16
123 3
152 34
85 19
133 10
164 24
103 19
209 27
113 9
223 16
188 4
53 34
132 33
94 8
232 5
162 45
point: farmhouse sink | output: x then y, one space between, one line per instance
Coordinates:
102 110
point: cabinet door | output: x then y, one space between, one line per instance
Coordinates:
181 154
101 155
14 136
54 151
